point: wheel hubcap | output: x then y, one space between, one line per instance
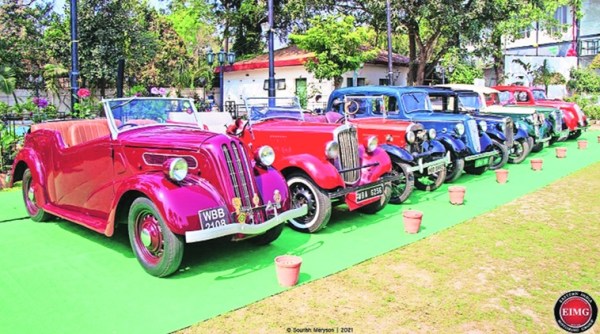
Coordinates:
302 195
150 235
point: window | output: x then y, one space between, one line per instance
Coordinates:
384 82
563 18
349 82
361 82
437 102
279 84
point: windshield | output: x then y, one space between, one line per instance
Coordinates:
539 94
497 99
142 111
365 105
469 102
416 102
263 108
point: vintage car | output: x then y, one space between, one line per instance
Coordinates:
410 145
170 183
324 164
499 128
553 118
573 117
470 149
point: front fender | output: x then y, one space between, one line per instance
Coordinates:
453 145
486 142
521 134
322 172
435 147
177 203
398 153
28 158
373 173
268 180
496 134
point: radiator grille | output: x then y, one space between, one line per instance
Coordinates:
239 172
509 132
349 158
473 133
557 121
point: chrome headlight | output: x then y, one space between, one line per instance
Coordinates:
502 126
483 125
432 133
332 150
265 155
372 143
460 129
176 169
410 137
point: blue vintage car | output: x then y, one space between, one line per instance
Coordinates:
501 129
470 149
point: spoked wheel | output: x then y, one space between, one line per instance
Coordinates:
575 134
401 189
537 147
454 169
519 151
530 143
499 160
430 182
157 249
33 210
304 191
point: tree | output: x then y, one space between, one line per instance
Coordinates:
595 65
8 81
338 45
543 75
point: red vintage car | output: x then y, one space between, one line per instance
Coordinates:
170 183
573 117
324 164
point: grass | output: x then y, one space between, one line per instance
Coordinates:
501 272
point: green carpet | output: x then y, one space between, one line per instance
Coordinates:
59 277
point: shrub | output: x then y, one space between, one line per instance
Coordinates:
584 80
592 111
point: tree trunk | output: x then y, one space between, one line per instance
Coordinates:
412 65
15 97
337 82
102 83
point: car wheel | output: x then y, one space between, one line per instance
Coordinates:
476 170
530 143
518 151
454 169
304 191
268 237
158 250
575 134
33 210
499 160
376 206
430 182
537 147
401 189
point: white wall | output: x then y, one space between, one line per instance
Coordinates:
562 65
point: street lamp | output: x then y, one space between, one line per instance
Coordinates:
267 27
440 69
210 59
389 41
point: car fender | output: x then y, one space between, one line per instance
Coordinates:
453 145
268 180
435 147
322 172
28 158
398 152
486 142
178 204
496 134
521 134
381 162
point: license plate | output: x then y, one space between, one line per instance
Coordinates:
434 169
212 218
368 193
482 162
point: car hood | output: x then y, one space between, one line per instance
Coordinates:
435 117
166 136
379 123
509 110
555 103
294 126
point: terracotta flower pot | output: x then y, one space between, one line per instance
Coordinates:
598 139
3 181
457 194
582 144
536 164
412 220
501 175
288 269
561 152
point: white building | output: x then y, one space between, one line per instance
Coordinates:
249 78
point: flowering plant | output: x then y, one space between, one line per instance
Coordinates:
86 107
158 91
83 93
40 102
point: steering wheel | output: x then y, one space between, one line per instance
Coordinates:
348 105
126 124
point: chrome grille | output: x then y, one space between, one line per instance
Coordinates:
240 175
509 132
557 121
472 132
348 141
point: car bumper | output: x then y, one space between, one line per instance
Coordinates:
420 167
348 190
248 229
562 135
481 155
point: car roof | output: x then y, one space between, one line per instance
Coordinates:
478 89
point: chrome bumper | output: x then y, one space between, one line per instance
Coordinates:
250 229
422 166
562 135
481 155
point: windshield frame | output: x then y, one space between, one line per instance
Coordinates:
535 93
430 110
115 131
271 102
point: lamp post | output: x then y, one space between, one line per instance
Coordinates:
210 59
440 69
267 27
74 62
389 40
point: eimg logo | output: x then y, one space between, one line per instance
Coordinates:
575 312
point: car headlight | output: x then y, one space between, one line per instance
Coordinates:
176 169
459 129
265 155
332 150
372 143
410 137
483 125
502 126
432 133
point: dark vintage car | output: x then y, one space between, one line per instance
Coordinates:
470 149
170 183
500 128
413 148
324 164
